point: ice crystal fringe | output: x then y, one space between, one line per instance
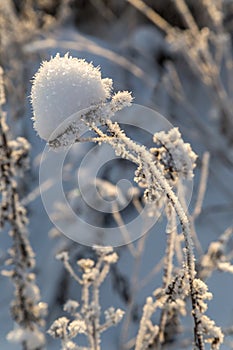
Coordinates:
153 165
27 310
86 317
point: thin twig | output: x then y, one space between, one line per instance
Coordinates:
153 16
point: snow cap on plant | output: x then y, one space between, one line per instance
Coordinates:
63 86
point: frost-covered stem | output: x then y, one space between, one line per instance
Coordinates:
95 324
186 15
189 255
202 185
120 222
159 21
64 342
86 305
25 310
85 295
96 321
69 268
102 275
171 237
156 177
200 197
168 265
95 300
143 340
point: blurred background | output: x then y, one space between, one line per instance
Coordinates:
176 58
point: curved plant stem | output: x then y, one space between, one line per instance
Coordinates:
128 149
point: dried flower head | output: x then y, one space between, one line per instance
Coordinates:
113 316
59 328
63 86
76 327
176 156
86 264
71 306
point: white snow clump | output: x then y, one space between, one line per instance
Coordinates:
62 87
33 339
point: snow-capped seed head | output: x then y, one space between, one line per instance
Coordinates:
62 87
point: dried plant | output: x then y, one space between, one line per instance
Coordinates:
157 169
198 44
205 47
217 256
26 309
87 319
